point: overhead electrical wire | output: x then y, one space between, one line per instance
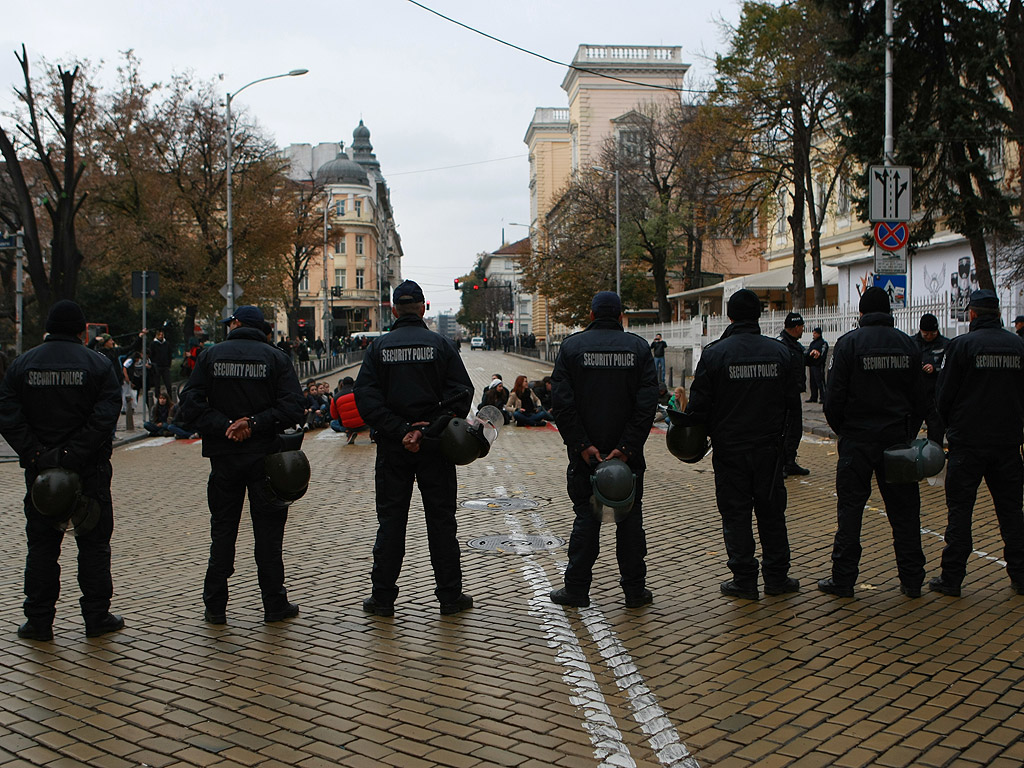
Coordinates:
460 165
541 56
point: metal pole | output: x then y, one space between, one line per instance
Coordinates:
618 256
19 297
231 233
327 312
888 141
145 389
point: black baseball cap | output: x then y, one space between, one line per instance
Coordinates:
606 304
248 315
408 292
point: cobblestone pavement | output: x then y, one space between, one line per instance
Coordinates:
694 679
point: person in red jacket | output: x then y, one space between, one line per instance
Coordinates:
344 414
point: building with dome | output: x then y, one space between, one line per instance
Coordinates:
347 290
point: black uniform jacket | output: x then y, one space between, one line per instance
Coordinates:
60 395
796 361
741 388
932 353
406 374
822 347
242 376
980 393
605 390
874 392
160 353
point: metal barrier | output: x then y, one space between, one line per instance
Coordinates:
310 369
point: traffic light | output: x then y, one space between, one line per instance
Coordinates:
336 291
476 287
485 282
428 306
366 325
510 322
457 286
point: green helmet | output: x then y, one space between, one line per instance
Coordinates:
614 486
685 440
55 493
461 442
287 474
913 462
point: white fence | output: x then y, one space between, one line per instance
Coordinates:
687 337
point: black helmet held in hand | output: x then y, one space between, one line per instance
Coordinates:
913 462
614 487
287 474
686 440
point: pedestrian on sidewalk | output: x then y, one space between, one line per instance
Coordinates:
933 349
982 368
605 391
740 391
874 402
790 337
817 356
406 376
242 394
59 404
658 347
160 357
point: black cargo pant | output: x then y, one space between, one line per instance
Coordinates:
42 566
230 477
1003 472
794 430
396 470
857 463
817 377
585 541
747 481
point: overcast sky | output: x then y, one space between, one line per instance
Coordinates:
433 94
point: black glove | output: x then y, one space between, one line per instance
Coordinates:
48 459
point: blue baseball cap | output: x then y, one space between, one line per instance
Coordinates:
985 299
248 315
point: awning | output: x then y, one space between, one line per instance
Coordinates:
772 280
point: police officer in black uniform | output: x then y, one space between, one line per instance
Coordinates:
740 391
792 331
1018 325
605 391
410 378
981 400
59 404
874 402
817 356
933 346
241 395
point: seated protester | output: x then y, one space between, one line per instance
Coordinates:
664 398
496 395
344 413
678 400
525 406
161 420
311 406
544 393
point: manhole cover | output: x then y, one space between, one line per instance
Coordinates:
503 504
516 545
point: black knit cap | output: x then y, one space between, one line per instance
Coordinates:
743 306
874 300
984 299
66 318
929 322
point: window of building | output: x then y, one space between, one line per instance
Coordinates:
358 206
360 280
339 245
339 278
304 280
780 222
359 244
629 142
339 208
843 197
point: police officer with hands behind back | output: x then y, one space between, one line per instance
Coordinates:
410 379
605 391
982 368
874 401
59 404
242 394
933 346
741 391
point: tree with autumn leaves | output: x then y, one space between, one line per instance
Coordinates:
134 179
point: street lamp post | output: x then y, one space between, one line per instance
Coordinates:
618 250
230 288
327 312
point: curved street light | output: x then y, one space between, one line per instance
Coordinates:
230 287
